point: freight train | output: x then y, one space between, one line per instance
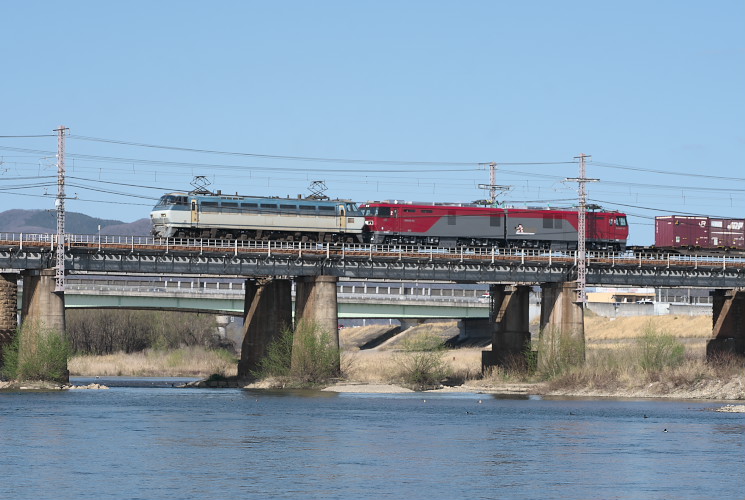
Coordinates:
215 215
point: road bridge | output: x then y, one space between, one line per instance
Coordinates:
355 299
269 267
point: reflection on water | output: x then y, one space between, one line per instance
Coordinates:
144 438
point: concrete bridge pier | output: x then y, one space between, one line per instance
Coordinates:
42 306
8 310
43 310
267 311
728 323
509 314
562 317
316 303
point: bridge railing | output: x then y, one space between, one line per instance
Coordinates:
358 250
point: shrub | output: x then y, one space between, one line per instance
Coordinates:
558 352
658 350
304 357
37 353
421 361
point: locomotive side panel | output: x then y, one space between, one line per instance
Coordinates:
451 225
528 227
216 216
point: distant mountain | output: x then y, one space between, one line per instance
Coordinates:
45 221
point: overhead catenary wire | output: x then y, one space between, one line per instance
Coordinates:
366 180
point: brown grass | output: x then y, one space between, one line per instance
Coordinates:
601 328
355 336
184 362
380 366
445 330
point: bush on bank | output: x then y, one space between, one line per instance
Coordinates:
656 356
36 353
303 357
421 361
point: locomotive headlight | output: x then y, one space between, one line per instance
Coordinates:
369 222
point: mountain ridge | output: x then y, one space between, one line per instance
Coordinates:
45 221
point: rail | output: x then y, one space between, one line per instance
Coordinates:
21 241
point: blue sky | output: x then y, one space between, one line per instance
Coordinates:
652 90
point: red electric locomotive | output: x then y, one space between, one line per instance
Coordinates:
452 225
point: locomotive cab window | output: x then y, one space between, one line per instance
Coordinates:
621 221
384 211
170 199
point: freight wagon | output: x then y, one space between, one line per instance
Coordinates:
694 233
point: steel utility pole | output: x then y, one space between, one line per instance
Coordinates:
582 228
493 187
59 283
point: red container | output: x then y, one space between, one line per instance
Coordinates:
727 234
680 231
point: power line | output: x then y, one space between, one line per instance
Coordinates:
662 210
308 158
26 136
664 172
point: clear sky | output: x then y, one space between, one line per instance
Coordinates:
407 98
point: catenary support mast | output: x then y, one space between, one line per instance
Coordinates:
582 228
59 285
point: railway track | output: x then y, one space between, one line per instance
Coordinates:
18 242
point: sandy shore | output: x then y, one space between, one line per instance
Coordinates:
37 385
515 389
653 391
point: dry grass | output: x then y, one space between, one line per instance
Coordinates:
601 328
356 336
381 366
445 330
184 362
695 378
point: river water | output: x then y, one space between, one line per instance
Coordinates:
146 439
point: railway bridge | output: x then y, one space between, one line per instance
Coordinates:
269 268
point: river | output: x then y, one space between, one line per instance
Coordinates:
145 438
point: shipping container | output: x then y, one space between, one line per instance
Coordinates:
693 232
727 234
679 231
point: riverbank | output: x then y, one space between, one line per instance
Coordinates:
607 373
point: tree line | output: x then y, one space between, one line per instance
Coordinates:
106 331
